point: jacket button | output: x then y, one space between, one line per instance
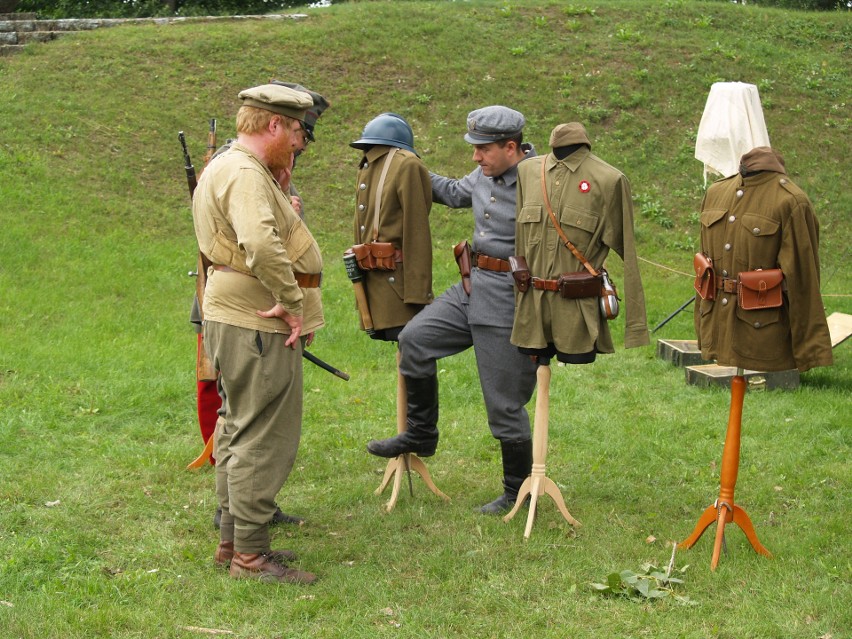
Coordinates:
361 207
756 231
783 180
724 301
493 199
363 228
391 279
733 218
727 247
362 186
739 192
757 324
724 273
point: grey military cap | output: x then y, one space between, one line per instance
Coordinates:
278 99
492 124
313 113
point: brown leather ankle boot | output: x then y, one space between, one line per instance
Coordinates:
225 552
266 567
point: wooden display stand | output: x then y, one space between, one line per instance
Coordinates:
724 510
406 462
537 483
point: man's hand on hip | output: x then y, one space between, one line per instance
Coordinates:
293 321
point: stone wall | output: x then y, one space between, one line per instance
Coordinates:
19 29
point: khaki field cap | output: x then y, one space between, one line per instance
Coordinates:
278 99
568 134
492 124
762 158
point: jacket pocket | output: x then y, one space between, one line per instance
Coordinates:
759 333
529 225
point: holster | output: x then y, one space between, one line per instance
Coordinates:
580 284
760 289
373 256
705 278
462 252
520 271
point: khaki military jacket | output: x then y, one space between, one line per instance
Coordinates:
394 297
593 204
762 222
244 221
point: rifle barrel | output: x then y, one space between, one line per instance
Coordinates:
191 180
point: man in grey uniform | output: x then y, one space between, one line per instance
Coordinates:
482 318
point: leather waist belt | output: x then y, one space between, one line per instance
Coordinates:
488 263
545 285
304 280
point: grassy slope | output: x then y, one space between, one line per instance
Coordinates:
95 352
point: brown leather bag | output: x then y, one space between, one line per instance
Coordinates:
705 278
580 284
762 288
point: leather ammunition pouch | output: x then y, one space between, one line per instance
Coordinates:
520 272
705 278
462 253
580 284
377 256
760 289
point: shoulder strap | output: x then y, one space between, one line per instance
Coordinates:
571 247
379 190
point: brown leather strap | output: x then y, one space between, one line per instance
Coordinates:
571 247
379 189
545 285
488 263
304 280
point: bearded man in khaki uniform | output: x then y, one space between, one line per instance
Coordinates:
263 257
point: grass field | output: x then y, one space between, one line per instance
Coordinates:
105 534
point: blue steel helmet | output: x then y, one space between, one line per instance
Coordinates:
389 129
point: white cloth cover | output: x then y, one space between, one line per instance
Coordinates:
731 126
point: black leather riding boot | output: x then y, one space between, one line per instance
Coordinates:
421 436
517 466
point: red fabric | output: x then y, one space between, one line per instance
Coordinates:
209 403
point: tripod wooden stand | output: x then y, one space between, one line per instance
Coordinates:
406 462
724 510
537 483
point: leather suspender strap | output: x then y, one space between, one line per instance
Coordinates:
379 190
571 247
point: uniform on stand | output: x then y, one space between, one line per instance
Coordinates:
572 209
393 243
759 304
756 220
592 202
390 263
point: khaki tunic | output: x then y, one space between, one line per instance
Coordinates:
762 222
244 221
592 202
396 296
